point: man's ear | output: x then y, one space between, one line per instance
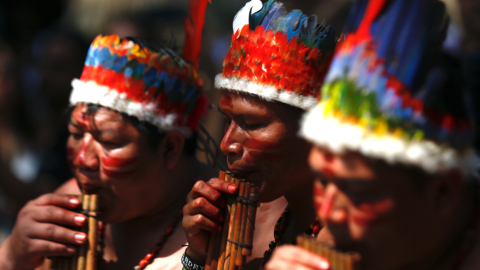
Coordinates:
172 144
448 186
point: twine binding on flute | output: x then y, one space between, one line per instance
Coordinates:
240 245
227 250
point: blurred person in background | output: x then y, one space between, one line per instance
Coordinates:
134 148
393 150
270 77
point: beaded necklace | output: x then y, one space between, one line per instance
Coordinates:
148 259
281 226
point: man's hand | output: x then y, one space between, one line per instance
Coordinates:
294 258
203 214
41 231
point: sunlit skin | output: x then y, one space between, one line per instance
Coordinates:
262 145
142 186
111 158
375 209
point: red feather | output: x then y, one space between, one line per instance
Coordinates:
193 31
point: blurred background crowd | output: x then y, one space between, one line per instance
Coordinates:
43 45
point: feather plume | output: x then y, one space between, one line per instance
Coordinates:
243 15
277 10
288 20
256 18
193 31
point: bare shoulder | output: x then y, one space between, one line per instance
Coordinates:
69 187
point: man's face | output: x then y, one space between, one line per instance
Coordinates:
110 157
373 208
261 144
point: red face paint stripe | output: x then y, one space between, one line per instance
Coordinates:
327 205
113 162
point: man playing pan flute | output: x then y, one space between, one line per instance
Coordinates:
135 115
272 73
392 147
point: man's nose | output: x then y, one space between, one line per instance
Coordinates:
331 210
87 157
231 143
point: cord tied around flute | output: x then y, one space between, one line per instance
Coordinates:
228 249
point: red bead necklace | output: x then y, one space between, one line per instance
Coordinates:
148 259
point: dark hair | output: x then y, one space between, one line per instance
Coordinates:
152 132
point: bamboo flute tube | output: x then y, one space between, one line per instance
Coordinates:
236 232
226 225
240 260
73 262
251 215
53 263
213 243
231 228
338 260
82 254
65 263
47 264
92 233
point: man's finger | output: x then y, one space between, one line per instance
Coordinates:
64 201
199 221
57 234
61 216
46 248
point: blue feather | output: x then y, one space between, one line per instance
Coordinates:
257 18
295 28
284 22
276 11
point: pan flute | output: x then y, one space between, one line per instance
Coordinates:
338 260
227 250
86 255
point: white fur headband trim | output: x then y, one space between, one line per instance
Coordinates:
340 137
266 92
91 92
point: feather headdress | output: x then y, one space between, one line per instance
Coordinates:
156 86
378 97
277 55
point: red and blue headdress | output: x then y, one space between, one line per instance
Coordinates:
158 87
380 97
277 55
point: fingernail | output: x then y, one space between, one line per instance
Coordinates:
324 265
232 188
70 250
80 238
74 201
79 220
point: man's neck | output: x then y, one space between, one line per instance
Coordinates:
303 213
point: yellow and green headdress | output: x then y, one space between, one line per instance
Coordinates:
381 96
